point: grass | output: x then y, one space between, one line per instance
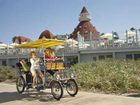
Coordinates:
109 76
7 73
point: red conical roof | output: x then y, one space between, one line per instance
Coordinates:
85 29
84 10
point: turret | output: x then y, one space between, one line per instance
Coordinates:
84 15
85 28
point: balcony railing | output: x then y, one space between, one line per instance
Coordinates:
92 45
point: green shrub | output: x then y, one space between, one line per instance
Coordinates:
7 73
110 76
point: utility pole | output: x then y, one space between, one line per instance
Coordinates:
112 39
126 38
136 37
90 39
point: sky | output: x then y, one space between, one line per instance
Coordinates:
31 17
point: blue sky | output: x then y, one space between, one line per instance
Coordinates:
30 17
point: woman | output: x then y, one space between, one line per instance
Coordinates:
35 67
50 55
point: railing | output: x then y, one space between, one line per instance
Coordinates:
93 45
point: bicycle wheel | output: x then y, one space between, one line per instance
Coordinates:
72 87
20 84
39 84
56 90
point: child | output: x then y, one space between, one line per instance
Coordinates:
24 65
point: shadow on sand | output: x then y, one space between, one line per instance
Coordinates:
29 96
136 95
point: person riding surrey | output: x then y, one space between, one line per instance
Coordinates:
50 55
24 65
35 67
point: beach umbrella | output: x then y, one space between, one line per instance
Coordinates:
71 41
130 34
41 43
109 36
12 45
119 41
3 45
74 45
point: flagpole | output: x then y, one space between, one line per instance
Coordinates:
7 62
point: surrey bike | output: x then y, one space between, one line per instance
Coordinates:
56 77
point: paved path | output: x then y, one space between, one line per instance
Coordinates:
9 96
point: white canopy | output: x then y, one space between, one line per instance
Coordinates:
3 45
130 33
12 45
71 41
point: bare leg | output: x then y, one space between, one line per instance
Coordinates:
41 76
34 79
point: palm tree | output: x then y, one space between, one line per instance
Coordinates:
102 33
132 29
13 39
115 35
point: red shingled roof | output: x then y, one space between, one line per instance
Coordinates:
46 34
85 28
20 39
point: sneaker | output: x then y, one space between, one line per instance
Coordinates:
34 86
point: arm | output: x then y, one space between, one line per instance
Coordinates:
32 61
36 60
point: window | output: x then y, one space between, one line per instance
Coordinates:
94 58
109 56
129 56
101 57
4 63
137 56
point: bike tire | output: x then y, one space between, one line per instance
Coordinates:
20 84
72 87
56 90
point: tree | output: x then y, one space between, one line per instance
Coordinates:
115 35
